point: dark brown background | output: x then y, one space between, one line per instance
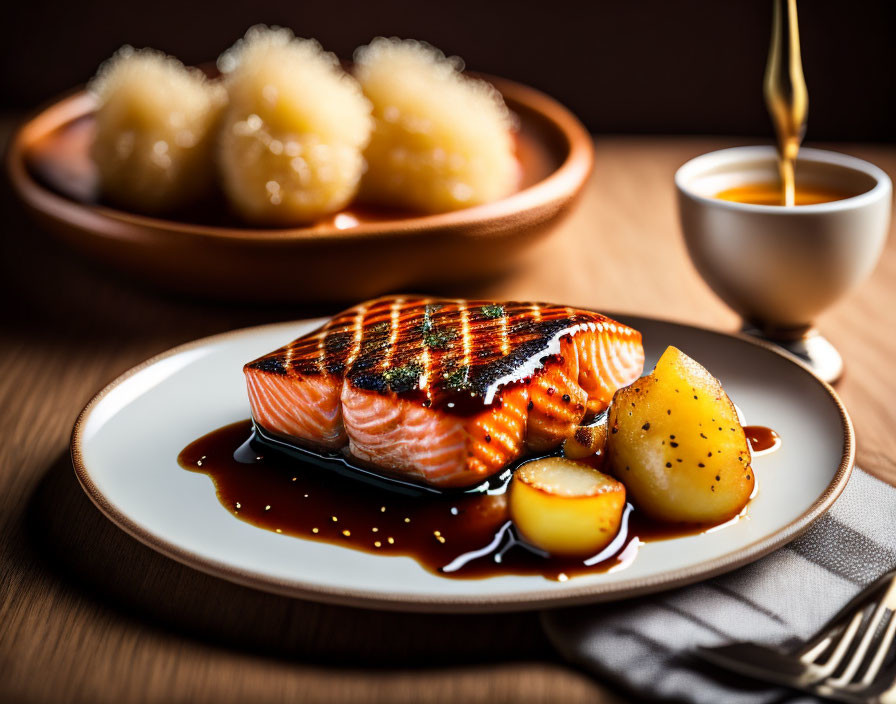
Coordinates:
646 66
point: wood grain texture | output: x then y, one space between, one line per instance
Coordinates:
88 614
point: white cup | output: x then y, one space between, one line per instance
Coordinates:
777 266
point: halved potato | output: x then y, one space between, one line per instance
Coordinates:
565 508
676 443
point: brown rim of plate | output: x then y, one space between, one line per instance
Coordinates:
538 599
566 179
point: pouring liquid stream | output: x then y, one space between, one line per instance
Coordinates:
786 96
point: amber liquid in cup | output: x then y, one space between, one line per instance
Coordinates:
770 194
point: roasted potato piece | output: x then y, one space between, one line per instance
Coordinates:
588 442
565 508
676 443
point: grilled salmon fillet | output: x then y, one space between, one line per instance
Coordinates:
443 392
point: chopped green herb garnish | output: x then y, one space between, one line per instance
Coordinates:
403 378
428 310
492 311
438 339
433 338
459 379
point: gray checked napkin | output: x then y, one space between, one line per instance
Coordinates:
644 644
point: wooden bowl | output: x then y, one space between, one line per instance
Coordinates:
359 253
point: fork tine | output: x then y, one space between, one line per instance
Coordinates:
886 582
810 656
846 639
858 656
878 660
851 633
834 629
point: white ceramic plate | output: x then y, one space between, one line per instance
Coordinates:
126 442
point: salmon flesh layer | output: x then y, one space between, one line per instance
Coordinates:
443 392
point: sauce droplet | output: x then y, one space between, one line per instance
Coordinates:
762 439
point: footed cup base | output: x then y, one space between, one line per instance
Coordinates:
810 346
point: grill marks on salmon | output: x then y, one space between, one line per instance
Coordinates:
444 392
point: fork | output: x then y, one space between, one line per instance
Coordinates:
847 660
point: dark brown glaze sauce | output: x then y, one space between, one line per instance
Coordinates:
442 532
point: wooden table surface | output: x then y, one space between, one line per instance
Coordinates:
88 614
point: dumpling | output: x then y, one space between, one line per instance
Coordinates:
292 137
155 130
442 140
